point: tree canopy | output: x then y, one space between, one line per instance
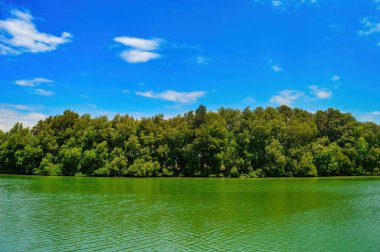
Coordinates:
249 143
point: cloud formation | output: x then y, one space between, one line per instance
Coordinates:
202 60
277 69
138 43
136 56
9 117
368 27
43 92
16 106
286 97
32 82
249 100
18 34
284 4
373 116
174 96
141 49
320 93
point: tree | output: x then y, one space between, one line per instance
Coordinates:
268 141
70 160
275 159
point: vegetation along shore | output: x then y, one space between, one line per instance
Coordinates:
264 142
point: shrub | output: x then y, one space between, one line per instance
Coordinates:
234 173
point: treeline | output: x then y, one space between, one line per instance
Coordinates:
263 142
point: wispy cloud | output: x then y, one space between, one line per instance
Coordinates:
32 82
18 34
277 68
43 92
335 78
141 50
249 100
373 116
174 96
284 4
202 60
320 93
17 107
9 117
287 97
138 43
368 27
136 56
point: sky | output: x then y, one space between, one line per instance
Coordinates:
147 57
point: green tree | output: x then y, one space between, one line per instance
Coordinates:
275 159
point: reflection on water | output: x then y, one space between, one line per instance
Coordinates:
67 213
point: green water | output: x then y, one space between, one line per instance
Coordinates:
122 214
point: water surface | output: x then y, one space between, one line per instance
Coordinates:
166 214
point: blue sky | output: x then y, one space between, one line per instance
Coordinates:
149 57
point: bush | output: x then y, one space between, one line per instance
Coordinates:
104 171
234 173
47 167
243 175
142 168
256 173
167 173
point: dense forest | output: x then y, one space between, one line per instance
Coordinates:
266 142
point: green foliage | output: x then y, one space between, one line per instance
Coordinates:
48 167
234 173
275 159
142 168
70 160
227 143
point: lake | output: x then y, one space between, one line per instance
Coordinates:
166 214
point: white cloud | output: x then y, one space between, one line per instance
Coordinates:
43 92
142 49
283 4
9 117
32 82
276 3
286 97
21 107
136 56
370 116
320 93
202 60
174 96
335 78
377 3
138 43
17 106
249 99
277 68
18 34
369 27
